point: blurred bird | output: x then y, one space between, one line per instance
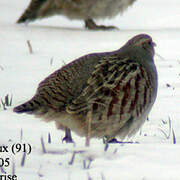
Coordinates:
118 88
85 10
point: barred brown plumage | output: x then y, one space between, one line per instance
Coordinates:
118 88
76 9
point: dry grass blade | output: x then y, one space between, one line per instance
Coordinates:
106 147
72 159
2 170
51 61
29 47
6 102
23 159
89 119
158 55
174 137
90 161
166 136
173 133
84 164
21 135
73 156
87 165
43 145
39 174
115 151
49 138
3 104
13 168
89 177
170 129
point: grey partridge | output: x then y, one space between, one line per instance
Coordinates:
118 88
85 10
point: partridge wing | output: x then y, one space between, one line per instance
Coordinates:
117 89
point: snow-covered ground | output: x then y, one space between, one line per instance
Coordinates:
57 40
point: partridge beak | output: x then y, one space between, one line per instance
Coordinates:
154 44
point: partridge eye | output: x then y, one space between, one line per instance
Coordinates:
150 42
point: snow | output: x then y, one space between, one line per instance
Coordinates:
58 40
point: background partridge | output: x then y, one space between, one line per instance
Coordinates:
119 88
86 10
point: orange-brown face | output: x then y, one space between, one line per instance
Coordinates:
142 41
146 44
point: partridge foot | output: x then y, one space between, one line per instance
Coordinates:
114 141
68 137
90 24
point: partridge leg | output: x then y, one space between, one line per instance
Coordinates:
90 24
68 137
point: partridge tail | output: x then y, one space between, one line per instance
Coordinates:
30 107
36 9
